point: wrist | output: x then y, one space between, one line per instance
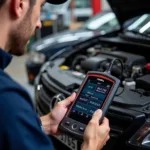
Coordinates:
88 145
46 124
53 125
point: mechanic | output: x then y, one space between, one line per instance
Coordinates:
20 126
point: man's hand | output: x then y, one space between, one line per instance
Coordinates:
95 135
51 121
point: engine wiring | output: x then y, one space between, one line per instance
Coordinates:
122 68
120 92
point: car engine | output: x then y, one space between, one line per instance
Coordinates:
130 111
101 61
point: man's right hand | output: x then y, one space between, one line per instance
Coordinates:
96 135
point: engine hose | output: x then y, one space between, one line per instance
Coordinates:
78 58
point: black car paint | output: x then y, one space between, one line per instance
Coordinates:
127 9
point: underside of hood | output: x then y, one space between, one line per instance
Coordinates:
127 9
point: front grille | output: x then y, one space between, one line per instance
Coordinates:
44 101
48 90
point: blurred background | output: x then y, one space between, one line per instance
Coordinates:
67 17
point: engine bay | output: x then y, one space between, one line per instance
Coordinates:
136 68
131 106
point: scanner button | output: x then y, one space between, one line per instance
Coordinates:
74 126
67 123
81 129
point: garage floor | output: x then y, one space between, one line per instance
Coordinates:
17 71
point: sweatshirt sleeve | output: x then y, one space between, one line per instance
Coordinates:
21 124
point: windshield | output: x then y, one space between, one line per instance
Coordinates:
103 21
141 25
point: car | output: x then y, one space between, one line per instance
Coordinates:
103 23
129 113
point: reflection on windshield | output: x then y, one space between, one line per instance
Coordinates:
103 22
141 25
145 28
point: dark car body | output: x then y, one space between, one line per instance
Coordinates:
105 24
129 114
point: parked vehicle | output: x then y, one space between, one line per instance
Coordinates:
129 114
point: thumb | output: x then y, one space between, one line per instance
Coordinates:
68 100
97 116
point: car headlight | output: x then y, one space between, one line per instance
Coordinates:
37 58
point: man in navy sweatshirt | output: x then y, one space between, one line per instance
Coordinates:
20 126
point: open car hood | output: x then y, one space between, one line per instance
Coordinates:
127 9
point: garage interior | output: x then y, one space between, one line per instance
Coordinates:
94 34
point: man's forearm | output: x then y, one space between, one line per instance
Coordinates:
46 124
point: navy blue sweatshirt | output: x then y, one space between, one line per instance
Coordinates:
20 126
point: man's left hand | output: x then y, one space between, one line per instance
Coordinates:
51 121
